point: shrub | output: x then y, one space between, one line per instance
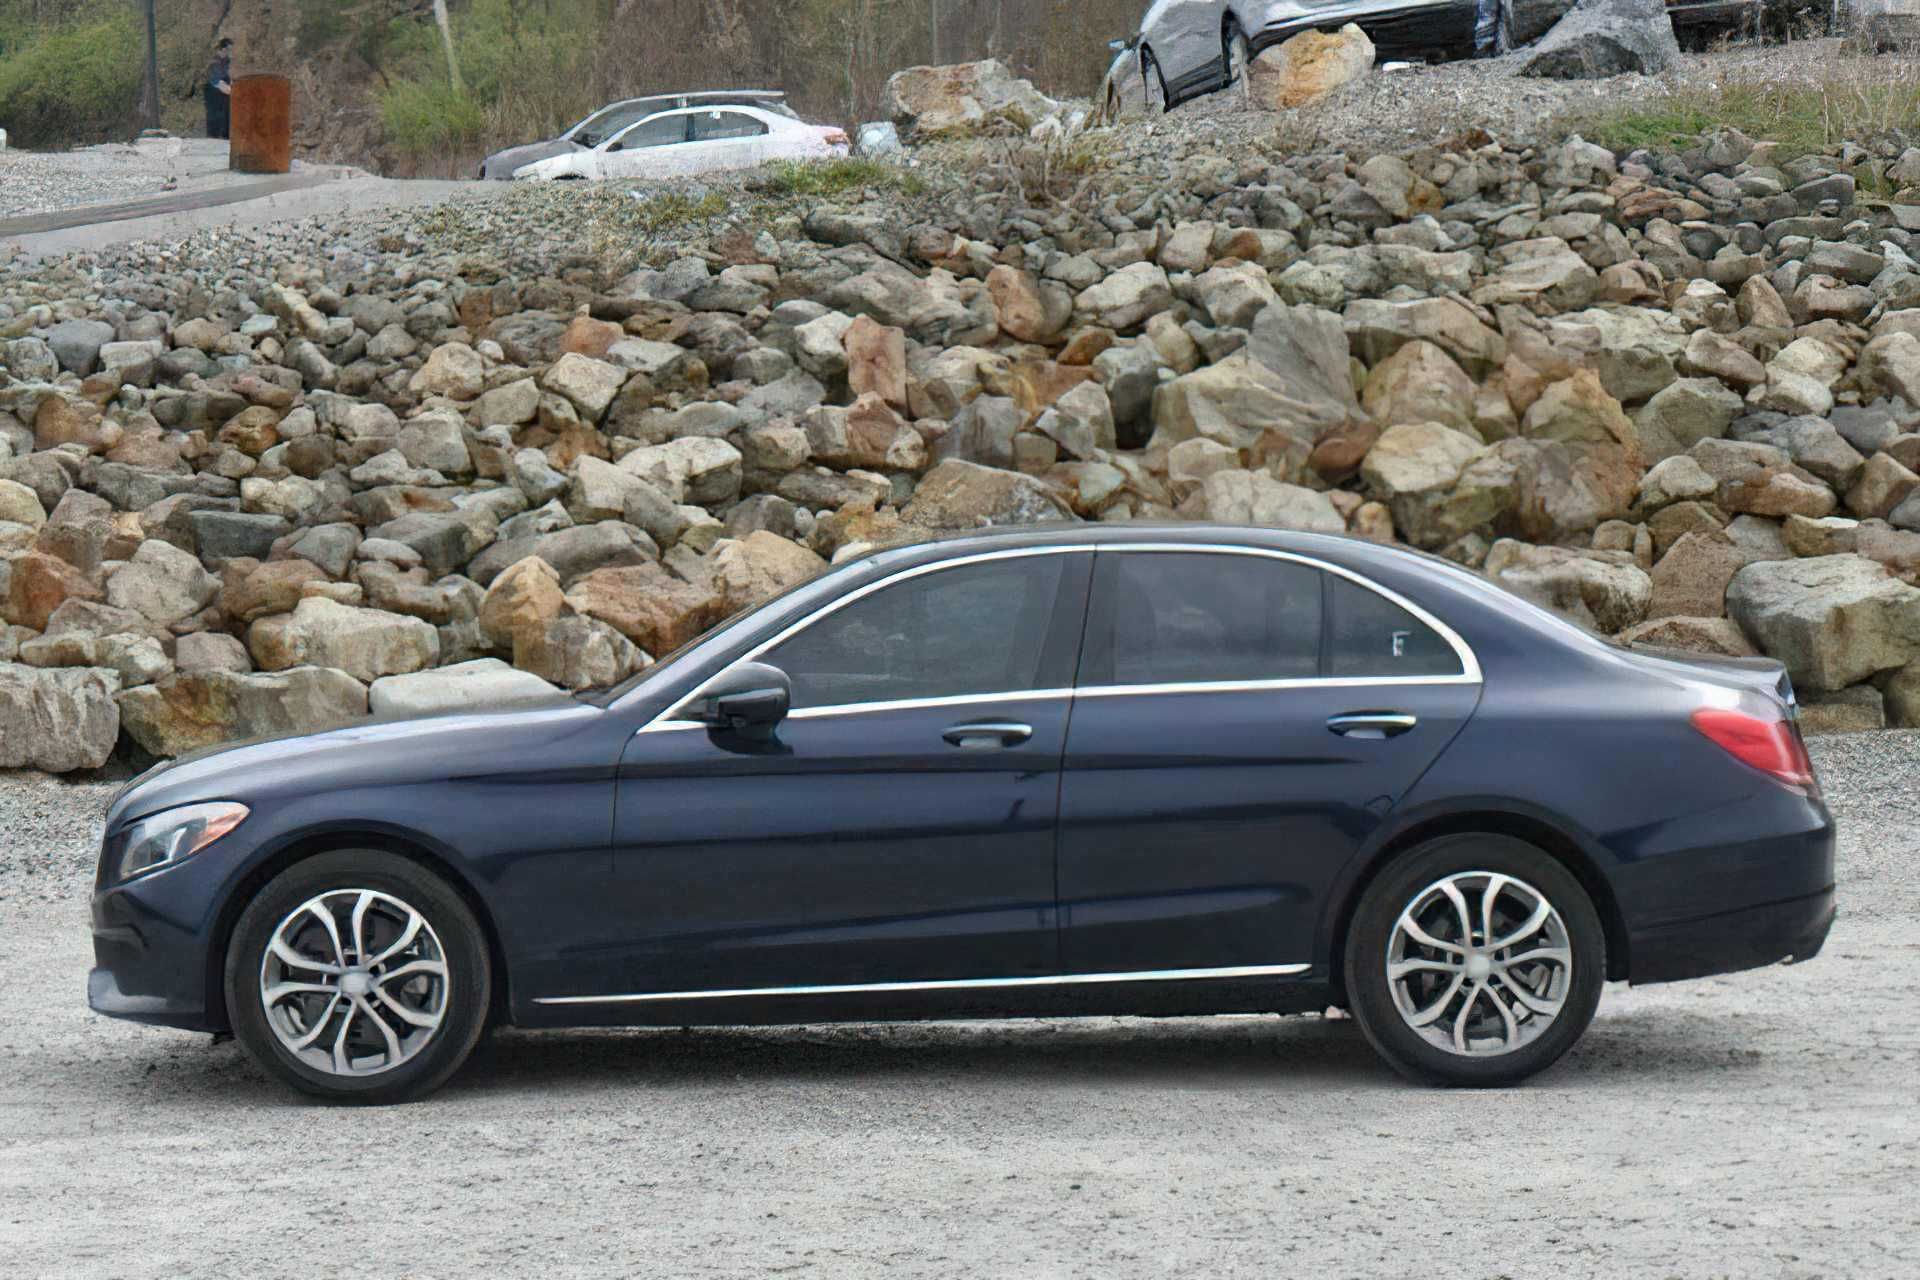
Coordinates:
81 83
424 117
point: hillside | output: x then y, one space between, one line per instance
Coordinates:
373 88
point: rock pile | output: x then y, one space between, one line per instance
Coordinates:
1673 396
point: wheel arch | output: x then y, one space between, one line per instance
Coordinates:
304 847
1535 830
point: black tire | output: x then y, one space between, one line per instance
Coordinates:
1237 62
1155 82
1370 993
1503 42
462 946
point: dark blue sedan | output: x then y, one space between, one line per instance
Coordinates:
1052 771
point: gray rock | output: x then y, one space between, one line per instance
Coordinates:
1834 620
1604 591
191 711
1602 38
76 344
59 720
223 535
466 686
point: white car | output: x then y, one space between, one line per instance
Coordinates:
690 140
1187 48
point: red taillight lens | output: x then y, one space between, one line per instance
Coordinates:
836 138
1771 746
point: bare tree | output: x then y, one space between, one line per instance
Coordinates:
446 38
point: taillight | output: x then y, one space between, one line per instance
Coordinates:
836 138
1772 746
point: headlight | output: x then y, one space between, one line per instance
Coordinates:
174 834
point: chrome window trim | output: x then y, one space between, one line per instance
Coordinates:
1469 665
944 984
1470 673
665 719
900 704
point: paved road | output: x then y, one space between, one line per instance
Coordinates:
1761 1125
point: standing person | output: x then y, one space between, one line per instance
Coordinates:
219 89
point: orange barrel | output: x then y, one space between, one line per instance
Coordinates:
262 125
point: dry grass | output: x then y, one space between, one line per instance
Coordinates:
1805 104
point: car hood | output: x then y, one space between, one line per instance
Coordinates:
500 165
384 750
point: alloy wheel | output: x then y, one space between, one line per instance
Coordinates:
354 982
1479 964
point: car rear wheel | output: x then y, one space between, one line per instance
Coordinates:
1474 960
358 976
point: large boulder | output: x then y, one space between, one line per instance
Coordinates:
928 101
364 643
1601 38
192 710
465 686
1256 498
58 720
1418 468
646 604
965 495
1834 620
1601 590
1309 66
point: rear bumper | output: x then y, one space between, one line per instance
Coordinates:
1734 940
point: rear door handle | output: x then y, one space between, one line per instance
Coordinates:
984 735
1372 724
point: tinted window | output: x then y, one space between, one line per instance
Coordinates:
714 125
1177 618
972 629
660 131
1373 636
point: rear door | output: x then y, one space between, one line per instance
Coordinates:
1243 722
726 139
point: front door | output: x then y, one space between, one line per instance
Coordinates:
899 826
1244 722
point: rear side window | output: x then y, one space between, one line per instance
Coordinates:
714 125
1373 636
973 629
1195 617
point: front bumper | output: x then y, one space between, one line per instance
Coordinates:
150 950
1746 938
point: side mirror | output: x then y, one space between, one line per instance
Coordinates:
748 699
1118 45
616 146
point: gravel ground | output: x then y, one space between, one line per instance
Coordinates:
42 181
1756 1125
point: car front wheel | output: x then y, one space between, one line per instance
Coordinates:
1156 84
358 976
1474 960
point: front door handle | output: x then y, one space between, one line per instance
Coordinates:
986 734
1372 724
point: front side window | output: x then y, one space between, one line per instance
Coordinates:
661 131
972 629
1372 636
1198 617
711 126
